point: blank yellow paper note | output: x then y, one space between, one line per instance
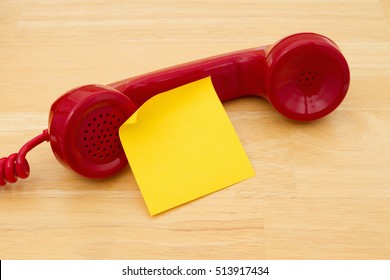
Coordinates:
181 145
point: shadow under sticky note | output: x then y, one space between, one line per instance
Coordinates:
181 146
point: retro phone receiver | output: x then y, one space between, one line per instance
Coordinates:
304 77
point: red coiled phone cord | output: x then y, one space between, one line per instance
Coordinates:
16 166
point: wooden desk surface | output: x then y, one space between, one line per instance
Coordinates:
322 189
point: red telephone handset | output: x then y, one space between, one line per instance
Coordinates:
303 76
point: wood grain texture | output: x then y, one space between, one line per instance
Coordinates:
322 189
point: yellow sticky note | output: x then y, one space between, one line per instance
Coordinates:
181 146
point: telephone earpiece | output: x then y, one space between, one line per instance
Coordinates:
308 77
303 76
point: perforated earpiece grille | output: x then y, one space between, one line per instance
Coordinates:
309 82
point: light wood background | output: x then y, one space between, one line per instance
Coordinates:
322 189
